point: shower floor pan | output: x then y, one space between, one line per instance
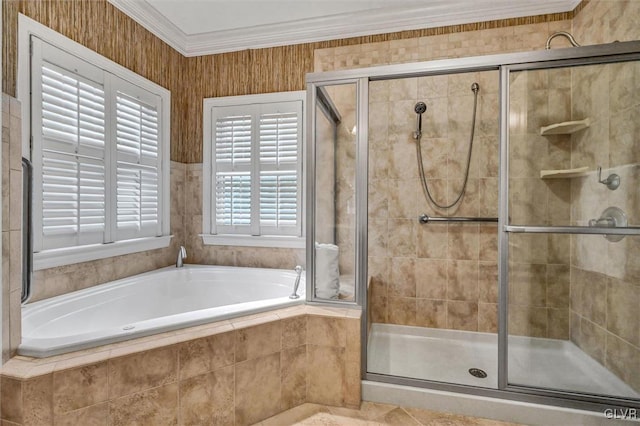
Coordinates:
448 355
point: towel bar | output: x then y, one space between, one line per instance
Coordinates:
428 219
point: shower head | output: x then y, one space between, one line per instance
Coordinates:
420 109
475 87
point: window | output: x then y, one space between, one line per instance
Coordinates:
253 170
99 148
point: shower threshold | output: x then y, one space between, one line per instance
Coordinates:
449 355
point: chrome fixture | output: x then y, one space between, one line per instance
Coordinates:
569 37
295 295
612 181
572 40
420 108
27 234
611 217
425 218
182 255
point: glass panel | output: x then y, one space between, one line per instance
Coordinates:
573 313
564 124
433 287
335 147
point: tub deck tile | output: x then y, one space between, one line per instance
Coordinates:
148 345
95 415
245 322
326 311
80 361
157 406
142 371
81 387
258 340
206 354
207 332
292 311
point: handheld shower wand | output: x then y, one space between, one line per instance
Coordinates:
420 109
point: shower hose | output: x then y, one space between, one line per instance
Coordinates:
418 135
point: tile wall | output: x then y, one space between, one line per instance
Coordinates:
605 276
539 263
436 275
11 225
234 372
325 178
344 97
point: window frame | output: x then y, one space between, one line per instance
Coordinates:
49 258
249 102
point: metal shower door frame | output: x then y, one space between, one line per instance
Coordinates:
504 229
502 63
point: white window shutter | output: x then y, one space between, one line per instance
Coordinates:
138 166
280 146
70 134
256 168
100 153
232 165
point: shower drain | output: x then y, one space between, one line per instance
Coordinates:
476 372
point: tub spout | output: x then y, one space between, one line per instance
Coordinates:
182 254
295 295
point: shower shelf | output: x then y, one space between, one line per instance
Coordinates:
565 127
565 173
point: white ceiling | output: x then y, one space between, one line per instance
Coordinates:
199 27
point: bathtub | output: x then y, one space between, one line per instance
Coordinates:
154 302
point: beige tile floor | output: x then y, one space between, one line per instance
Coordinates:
371 414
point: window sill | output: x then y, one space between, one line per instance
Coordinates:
283 241
67 256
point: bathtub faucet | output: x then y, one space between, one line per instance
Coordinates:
295 295
182 254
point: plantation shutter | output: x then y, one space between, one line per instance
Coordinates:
69 137
256 169
280 134
232 130
137 178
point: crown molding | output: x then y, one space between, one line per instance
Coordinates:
436 13
154 21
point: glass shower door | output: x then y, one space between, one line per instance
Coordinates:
571 247
432 295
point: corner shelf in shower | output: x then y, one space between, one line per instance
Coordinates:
564 173
565 127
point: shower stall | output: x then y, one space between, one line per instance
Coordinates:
485 214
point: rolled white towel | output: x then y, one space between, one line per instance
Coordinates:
327 272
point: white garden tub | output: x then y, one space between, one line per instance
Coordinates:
150 303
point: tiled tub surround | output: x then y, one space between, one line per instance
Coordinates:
230 372
11 224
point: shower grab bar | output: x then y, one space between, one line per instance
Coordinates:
428 219
27 241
